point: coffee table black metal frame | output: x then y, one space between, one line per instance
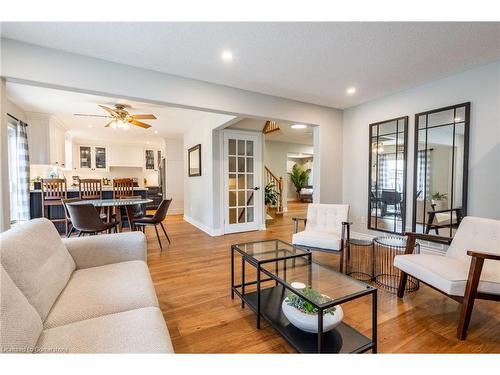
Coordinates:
245 257
330 342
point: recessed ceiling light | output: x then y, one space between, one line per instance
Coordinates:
89 125
226 56
298 126
351 90
156 131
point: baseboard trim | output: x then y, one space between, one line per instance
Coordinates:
175 211
425 246
210 231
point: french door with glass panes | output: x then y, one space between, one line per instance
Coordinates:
242 181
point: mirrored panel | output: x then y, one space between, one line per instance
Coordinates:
440 169
387 175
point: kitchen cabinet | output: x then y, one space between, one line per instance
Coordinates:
94 158
125 156
47 140
152 159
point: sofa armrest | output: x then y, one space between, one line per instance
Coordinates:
94 251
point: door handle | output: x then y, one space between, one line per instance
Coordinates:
256 188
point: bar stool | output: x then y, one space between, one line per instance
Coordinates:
53 191
90 188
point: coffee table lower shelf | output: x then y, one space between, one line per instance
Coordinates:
342 339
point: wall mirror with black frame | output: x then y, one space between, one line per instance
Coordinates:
387 175
440 169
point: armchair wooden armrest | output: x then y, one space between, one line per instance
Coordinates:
413 236
483 255
346 230
296 223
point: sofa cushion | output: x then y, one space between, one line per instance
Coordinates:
20 323
444 273
322 240
135 331
37 262
97 291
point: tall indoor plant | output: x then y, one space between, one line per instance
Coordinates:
299 177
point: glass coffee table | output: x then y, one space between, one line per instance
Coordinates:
283 270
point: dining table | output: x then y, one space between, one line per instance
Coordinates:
111 203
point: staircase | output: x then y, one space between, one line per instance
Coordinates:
278 184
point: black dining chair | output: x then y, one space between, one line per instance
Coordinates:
131 212
70 228
86 220
152 220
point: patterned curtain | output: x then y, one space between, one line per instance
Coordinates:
23 172
384 173
424 173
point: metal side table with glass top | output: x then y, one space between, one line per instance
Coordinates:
285 273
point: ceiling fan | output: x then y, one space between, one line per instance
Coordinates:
121 118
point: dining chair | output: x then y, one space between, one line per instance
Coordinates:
53 190
86 220
154 220
66 213
133 211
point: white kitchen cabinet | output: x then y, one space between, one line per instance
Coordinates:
125 156
152 159
47 138
93 158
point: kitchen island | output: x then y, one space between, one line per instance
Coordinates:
73 192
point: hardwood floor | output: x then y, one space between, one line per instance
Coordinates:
192 281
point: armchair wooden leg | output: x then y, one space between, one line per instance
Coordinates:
402 284
475 269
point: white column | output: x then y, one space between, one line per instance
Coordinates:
4 164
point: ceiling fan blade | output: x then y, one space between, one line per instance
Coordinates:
108 124
140 124
87 115
109 110
144 117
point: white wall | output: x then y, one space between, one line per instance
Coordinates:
175 174
201 193
275 158
481 87
75 72
4 165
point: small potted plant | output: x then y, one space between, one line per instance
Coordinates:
271 196
304 315
439 200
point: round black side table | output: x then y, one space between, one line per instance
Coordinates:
359 264
385 274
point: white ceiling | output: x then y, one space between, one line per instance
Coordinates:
309 62
285 134
170 122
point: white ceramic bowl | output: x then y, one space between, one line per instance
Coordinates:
309 322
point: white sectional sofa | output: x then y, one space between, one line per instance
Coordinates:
81 295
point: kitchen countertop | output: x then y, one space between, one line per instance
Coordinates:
104 188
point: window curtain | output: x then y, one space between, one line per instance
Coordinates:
424 173
23 173
384 171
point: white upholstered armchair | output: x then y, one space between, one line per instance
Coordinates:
469 270
325 229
